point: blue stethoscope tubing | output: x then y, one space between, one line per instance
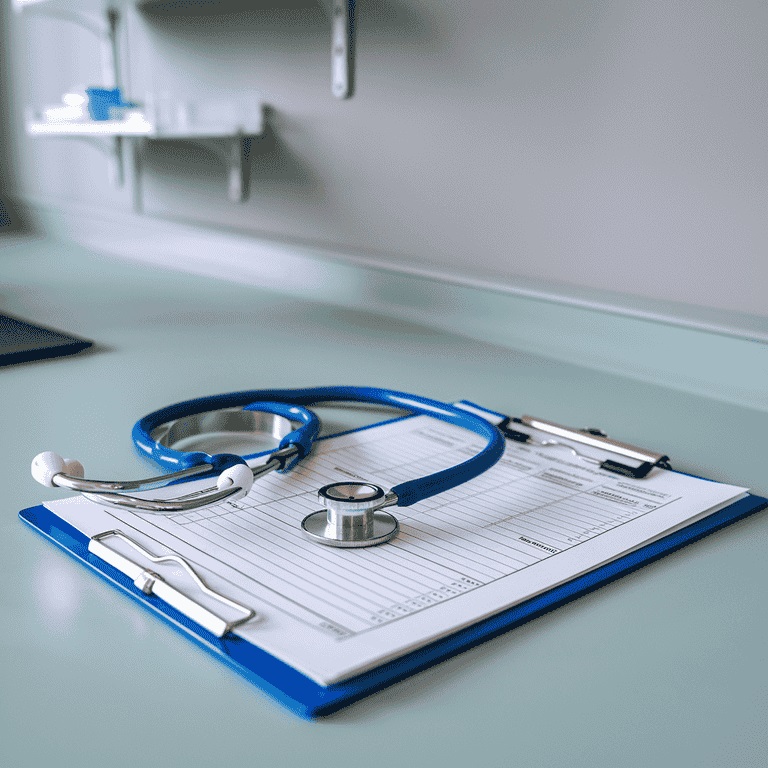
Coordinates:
290 402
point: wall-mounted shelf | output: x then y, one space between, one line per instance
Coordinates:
91 128
137 125
229 140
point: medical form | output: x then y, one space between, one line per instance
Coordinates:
538 518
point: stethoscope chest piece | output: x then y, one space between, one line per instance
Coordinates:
352 516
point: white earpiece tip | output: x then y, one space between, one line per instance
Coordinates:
45 466
240 476
74 468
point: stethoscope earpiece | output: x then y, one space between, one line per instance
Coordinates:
46 465
74 468
239 476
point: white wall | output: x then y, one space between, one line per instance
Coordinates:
610 144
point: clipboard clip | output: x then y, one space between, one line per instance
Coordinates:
595 438
152 584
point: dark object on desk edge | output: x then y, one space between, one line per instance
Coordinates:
21 342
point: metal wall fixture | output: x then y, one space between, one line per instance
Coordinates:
342 48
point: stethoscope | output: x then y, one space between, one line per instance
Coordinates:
353 513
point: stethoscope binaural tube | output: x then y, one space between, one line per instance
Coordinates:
235 477
353 516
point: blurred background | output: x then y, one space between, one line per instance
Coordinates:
603 150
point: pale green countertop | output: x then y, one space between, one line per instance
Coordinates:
664 667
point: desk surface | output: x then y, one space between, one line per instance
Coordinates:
664 667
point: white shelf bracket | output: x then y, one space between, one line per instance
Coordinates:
234 152
135 146
112 147
239 166
342 48
115 164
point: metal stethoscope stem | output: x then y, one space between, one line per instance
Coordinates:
110 492
84 485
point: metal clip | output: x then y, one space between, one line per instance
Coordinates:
150 583
595 439
146 580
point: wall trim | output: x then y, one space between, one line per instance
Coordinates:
666 343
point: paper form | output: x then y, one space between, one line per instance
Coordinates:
539 518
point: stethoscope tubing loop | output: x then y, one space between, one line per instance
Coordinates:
235 476
258 400
409 492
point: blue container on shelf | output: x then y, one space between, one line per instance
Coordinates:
101 100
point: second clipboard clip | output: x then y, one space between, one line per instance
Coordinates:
152 584
594 438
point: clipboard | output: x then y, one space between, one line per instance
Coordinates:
301 694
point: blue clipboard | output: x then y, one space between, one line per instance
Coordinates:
309 699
